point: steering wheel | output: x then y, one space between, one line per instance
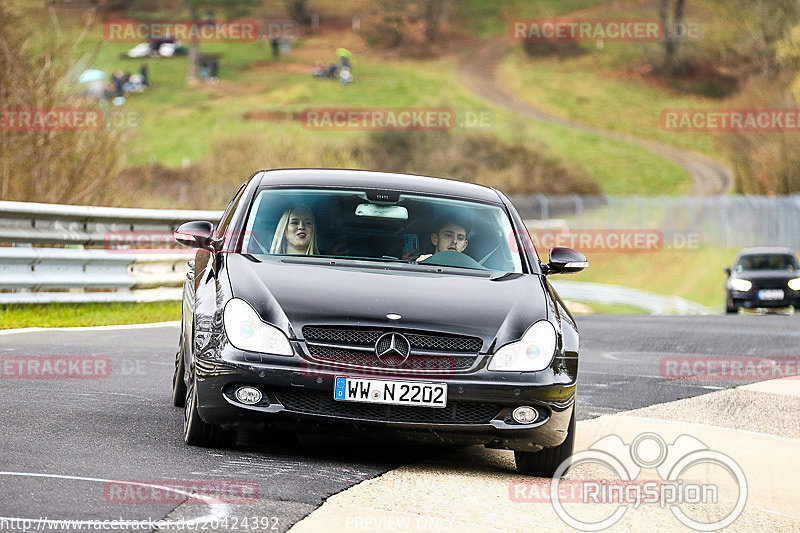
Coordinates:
454 259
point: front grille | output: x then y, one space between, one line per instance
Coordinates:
368 337
370 360
356 347
319 403
770 285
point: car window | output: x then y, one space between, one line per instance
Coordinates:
225 220
767 262
400 227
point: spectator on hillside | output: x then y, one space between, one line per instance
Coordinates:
145 74
274 42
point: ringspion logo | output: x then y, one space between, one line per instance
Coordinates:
690 501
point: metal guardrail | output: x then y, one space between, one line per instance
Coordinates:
655 304
732 221
34 223
34 274
38 275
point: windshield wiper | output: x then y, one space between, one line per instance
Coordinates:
393 264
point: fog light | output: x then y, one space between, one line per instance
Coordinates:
525 414
248 395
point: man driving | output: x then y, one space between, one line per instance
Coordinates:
450 236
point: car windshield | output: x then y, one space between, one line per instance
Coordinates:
767 262
382 226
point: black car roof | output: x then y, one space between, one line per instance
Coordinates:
367 179
766 250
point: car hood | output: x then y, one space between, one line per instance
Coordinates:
292 293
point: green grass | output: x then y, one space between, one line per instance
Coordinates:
693 274
618 167
612 86
487 18
198 118
91 314
613 309
179 122
589 90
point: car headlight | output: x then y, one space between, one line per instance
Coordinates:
741 285
532 353
794 284
246 331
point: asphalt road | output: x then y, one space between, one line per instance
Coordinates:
123 427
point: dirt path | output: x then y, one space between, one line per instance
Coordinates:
478 72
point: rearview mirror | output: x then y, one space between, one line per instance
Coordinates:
565 261
197 234
728 271
397 212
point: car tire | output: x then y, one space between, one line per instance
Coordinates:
732 310
178 385
544 463
197 432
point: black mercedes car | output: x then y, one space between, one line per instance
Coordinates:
392 305
763 277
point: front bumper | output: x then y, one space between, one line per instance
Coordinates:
299 398
750 300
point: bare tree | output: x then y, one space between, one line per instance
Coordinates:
672 22
49 164
434 10
769 21
298 11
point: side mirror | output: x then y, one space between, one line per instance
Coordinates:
565 261
197 234
728 272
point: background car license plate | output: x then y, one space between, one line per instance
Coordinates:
770 294
390 391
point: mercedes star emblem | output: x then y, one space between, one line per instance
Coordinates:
392 349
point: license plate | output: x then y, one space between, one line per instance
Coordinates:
770 294
393 392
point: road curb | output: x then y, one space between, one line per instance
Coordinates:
471 489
